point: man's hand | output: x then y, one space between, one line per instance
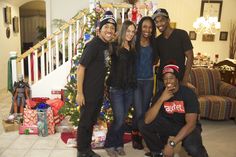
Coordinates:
80 99
168 151
167 93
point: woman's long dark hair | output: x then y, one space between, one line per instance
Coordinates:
122 35
139 32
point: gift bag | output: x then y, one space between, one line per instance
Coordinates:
31 118
56 104
50 121
99 134
42 122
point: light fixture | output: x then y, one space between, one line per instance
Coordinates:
207 24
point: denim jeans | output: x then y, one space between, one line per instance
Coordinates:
142 98
120 102
156 135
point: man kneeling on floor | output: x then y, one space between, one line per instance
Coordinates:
172 118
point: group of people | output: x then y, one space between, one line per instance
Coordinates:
163 120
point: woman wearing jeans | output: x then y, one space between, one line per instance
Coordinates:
144 67
122 81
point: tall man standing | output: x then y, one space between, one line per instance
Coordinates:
90 83
173 44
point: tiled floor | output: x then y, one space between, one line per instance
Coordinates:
219 137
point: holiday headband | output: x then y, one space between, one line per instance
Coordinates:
171 68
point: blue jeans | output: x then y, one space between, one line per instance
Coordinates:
120 102
142 98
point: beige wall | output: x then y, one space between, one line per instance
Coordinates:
7 45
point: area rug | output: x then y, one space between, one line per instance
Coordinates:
68 135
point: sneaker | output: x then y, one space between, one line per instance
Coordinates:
88 154
148 154
154 154
111 152
120 151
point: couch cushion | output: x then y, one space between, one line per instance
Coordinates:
205 80
217 107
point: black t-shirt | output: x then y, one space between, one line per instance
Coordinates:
95 59
122 74
173 49
184 101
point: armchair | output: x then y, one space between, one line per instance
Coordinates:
227 70
217 99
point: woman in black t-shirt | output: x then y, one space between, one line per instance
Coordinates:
122 82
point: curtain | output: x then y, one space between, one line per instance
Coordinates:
29 28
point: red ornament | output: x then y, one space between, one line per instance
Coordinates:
134 14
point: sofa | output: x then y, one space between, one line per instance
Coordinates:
217 99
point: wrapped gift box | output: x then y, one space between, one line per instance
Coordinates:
28 129
31 118
99 135
10 126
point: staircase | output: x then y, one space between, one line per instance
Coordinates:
49 61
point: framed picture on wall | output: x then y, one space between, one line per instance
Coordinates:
223 36
15 22
211 8
208 37
192 35
8 32
7 15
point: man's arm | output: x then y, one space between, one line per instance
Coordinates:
80 80
188 66
152 112
191 119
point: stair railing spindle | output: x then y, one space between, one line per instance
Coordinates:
42 62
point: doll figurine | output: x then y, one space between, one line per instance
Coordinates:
20 94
